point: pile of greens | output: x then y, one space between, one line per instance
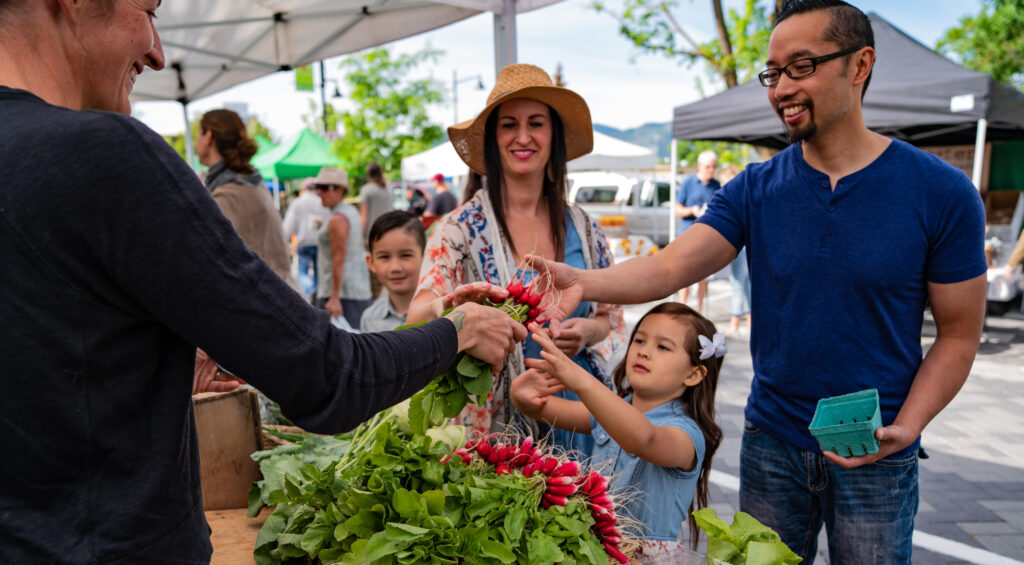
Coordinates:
383 496
744 542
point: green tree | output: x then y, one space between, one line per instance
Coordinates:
991 42
389 120
733 56
177 140
254 127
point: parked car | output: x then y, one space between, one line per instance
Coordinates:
643 203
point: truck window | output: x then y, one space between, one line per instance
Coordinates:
664 192
596 194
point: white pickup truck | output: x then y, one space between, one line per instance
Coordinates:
644 203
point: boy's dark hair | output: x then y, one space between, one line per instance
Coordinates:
849 27
393 220
698 400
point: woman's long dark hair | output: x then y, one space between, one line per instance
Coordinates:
231 139
554 178
698 400
375 175
474 182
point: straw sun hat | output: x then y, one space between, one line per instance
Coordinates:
526 81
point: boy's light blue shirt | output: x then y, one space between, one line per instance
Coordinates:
659 497
380 316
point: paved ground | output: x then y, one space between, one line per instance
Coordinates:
972 486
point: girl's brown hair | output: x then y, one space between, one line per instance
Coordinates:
697 400
231 139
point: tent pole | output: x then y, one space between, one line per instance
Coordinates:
190 153
505 35
979 153
276 190
672 186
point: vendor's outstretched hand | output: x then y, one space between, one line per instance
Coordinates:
890 440
566 284
487 333
475 292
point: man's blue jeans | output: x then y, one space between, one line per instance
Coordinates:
868 511
307 269
739 281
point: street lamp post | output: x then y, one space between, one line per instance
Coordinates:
323 93
456 81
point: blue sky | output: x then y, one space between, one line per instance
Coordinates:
623 86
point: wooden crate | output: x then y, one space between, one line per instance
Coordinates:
228 426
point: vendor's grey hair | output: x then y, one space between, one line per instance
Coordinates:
706 157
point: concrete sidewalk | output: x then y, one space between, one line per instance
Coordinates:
972 486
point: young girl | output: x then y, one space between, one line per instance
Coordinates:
396 243
657 436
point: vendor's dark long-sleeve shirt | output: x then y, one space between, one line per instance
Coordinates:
116 264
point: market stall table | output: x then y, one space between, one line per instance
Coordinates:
234 535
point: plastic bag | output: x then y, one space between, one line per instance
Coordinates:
341 323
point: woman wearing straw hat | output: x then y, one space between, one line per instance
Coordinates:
521 142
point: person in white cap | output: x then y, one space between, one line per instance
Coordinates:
343 282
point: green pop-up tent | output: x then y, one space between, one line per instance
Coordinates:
300 157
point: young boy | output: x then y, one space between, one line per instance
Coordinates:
396 242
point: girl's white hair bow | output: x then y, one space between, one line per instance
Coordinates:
714 346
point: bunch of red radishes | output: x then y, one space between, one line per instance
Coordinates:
525 302
563 480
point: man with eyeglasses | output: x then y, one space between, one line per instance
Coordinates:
849 235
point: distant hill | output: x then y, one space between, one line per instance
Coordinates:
648 135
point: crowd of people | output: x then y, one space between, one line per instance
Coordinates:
130 282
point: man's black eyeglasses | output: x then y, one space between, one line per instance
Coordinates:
800 68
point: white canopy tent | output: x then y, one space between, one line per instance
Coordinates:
609 154
212 46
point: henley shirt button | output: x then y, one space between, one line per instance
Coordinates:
831 208
828 231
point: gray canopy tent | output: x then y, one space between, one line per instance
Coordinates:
212 46
915 95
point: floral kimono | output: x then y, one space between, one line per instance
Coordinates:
465 247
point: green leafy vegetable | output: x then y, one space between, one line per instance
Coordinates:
388 499
745 542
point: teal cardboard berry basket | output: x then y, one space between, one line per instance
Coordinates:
845 425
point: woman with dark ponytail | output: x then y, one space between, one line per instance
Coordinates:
224 146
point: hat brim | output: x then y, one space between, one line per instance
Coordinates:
468 137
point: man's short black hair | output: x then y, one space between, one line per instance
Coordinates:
397 219
849 27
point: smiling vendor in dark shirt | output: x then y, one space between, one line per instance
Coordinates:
117 265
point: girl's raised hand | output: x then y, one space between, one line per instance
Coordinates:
554 362
531 389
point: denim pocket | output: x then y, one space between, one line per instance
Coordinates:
902 461
750 429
